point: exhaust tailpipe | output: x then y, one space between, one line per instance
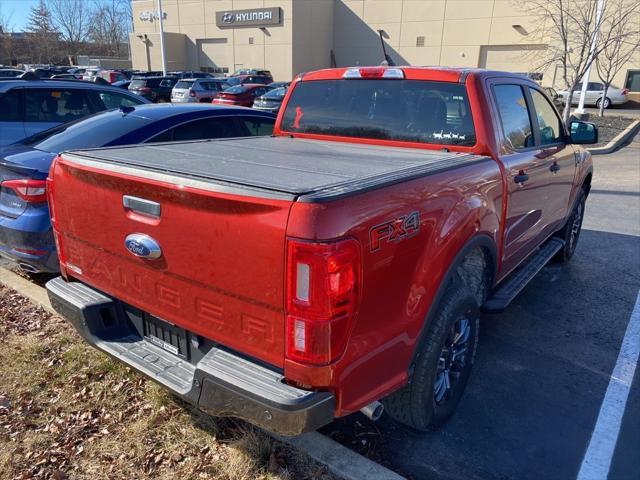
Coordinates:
373 410
27 268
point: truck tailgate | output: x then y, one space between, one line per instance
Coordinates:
220 273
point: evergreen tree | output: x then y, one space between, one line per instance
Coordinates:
42 35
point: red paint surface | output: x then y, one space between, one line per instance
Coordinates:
222 273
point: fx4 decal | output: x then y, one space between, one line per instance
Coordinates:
394 230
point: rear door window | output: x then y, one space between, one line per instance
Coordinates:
56 105
11 106
514 116
222 127
108 100
255 126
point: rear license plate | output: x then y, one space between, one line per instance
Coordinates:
166 336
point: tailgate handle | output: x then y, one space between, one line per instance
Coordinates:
140 205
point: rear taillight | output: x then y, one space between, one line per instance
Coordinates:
192 93
625 91
323 283
31 191
144 89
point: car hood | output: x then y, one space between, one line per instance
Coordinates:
28 158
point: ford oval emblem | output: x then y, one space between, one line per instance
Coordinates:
142 246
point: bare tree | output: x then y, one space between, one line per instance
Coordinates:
110 25
72 19
570 28
622 24
6 40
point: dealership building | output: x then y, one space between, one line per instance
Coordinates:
292 36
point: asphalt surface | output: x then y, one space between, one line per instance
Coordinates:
543 366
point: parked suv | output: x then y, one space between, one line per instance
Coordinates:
253 71
197 90
31 106
243 79
190 74
155 89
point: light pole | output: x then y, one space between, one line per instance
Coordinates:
164 57
585 77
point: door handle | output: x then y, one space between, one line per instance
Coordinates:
521 177
554 167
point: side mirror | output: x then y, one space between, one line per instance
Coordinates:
583 132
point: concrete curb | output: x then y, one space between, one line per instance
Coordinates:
340 461
33 292
619 140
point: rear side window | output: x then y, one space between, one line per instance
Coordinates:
206 128
255 126
167 82
548 120
10 106
59 105
406 110
184 84
514 116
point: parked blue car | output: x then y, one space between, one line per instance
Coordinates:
25 229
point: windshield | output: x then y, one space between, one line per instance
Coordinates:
184 84
137 83
96 131
234 80
236 89
405 110
276 94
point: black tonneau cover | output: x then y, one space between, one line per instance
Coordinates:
310 169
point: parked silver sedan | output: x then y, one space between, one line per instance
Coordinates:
201 90
615 95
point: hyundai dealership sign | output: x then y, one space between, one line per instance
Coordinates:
255 17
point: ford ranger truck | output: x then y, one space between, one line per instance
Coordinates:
339 265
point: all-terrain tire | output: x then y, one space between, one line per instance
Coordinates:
415 404
570 233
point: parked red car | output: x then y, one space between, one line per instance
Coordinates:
242 95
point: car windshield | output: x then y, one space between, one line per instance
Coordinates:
236 89
276 94
184 84
137 83
234 81
404 110
96 131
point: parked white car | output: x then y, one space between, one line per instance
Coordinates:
615 95
201 90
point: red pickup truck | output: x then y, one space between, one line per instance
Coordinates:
341 264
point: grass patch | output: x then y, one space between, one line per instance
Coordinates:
68 411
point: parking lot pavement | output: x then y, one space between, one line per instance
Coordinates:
629 109
543 366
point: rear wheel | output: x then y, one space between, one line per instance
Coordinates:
570 233
161 100
607 102
442 366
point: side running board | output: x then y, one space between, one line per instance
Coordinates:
514 283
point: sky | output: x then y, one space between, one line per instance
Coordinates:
18 11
